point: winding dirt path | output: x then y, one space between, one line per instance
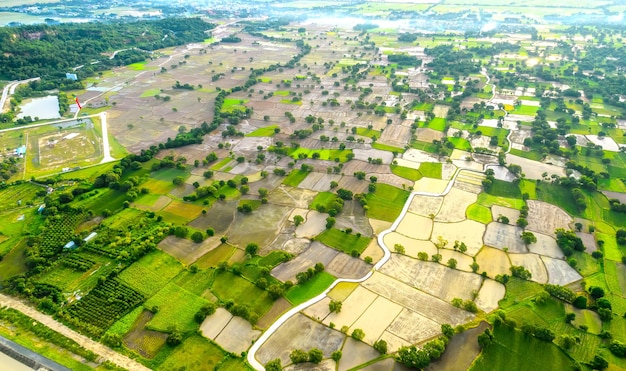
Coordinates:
101 350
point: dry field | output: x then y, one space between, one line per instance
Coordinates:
355 353
380 314
413 327
352 308
315 224
345 266
292 197
533 263
534 169
547 246
415 226
470 232
559 272
280 306
546 218
145 342
512 214
237 336
261 227
411 246
425 205
316 253
188 251
493 261
430 185
491 292
219 217
454 205
215 323
505 236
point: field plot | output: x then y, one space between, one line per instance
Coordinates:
145 342
215 323
463 261
546 218
219 217
299 332
532 263
497 210
355 353
559 272
415 226
493 261
430 185
376 318
177 307
260 227
413 327
505 236
411 246
345 266
460 351
433 278
547 246
352 307
237 336
292 197
315 253
468 231
150 273
454 205
187 251
490 294
425 205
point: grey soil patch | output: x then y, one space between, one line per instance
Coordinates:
615 195
260 227
413 327
280 306
505 236
497 210
355 353
237 336
219 217
589 241
187 251
425 205
215 323
145 342
345 266
353 216
461 351
299 332
325 365
559 272
316 253
292 197
546 218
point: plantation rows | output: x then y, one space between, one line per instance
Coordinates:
77 262
127 245
104 305
58 230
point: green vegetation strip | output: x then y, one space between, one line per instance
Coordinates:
316 285
386 203
343 241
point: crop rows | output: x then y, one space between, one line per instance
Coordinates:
104 305
77 262
58 231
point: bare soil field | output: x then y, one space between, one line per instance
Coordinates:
589 241
300 332
325 365
413 327
158 205
493 261
345 266
428 135
315 224
425 205
447 171
352 308
491 292
505 236
415 155
319 310
454 205
188 251
533 263
461 350
468 231
512 214
374 251
415 226
433 278
215 323
355 353
547 246
316 253
559 272
430 185
380 314
237 336
260 227
296 245
365 154
534 169
463 261
280 306
419 302
546 218
395 135
353 216
411 246
469 181
292 197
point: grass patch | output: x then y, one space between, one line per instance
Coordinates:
311 288
406 172
150 273
122 326
479 213
229 286
195 353
386 203
234 104
431 169
326 199
196 283
531 155
323 154
518 290
368 132
424 146
150 93
343 241
14 263
385 147
295 177
167 175
460 143
488 200
177 307
525 110
289 101
267 131
501 188
213 257
437 123
221 163
557 195
254 204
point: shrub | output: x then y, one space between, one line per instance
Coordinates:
358 334
315 355
299 356
580 302
381 346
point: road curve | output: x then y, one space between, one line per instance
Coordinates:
251 356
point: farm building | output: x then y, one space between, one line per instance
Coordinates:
91 236
70 245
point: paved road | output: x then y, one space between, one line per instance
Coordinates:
105 139
102 350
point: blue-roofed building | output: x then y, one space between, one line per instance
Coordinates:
71 76
70 245
20 151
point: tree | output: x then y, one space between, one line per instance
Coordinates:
522 223
528 237
569 317
263 192
580 302
299 356
381 346
596 292
252 249
336 355
175 337
334 306
330 222
204 312
316 355
197 237
297 220
475 267
447 330
452 263
178 181
599 363
485 339
274 365
358 334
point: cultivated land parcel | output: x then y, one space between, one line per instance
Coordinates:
353 196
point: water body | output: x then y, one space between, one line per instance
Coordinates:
44 108
8 363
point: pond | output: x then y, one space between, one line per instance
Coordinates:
43 108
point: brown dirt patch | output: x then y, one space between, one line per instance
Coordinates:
345 266
411 246
454 205
512 214
428 135
425 205
237 336
376 318
355 353
352 308
316 253
215 323
415 226
280 306
219 217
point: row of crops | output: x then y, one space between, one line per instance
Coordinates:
58 230
77 262
105 304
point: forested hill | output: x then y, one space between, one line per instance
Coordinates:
41 50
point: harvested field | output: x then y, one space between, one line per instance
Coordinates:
145 342
467 231
342 290
319 182
588 240
469 181
505 236
280 306
493 261
433 278
215 323
219 217
454 205
184 210
489 295
534 169
212 258
463 261
260 227
546 218
302 333
292 197
547 246
393 342
365 154
319 310
353 216
374 251
187 251
461 350
411 246
237 336
352 308
345 266
315 224
428 135
156 204
316 253
425 205
533 263
415 226
512 214
413 327
430 185
355 353
559 272
419 302
376 318
396 135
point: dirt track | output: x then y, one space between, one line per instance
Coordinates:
103 351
